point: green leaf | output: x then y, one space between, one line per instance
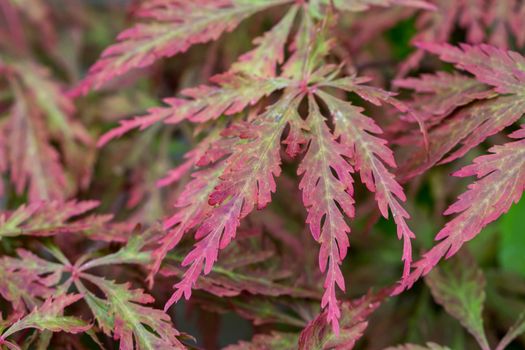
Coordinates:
459 287
131 253
49 317
123 313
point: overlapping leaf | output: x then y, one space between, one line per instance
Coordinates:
496 190
245 183
49 317
461 131
241 269
206 102
123 314
442 93
170 27
327 188
500 183
490 21
235 173
320 336
503 70
250 79
327 182
49 218
27 280
40 116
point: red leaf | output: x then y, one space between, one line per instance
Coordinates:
500 183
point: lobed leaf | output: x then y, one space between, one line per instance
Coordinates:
41 116
500 183
459 288
370 154
246 181
49 317
327 188
123 314
170 27
319 336
505 70
443 92
462 131
233 93
48 218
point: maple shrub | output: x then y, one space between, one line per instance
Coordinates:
289 131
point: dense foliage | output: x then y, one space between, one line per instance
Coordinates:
290 131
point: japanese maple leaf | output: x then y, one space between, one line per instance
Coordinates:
318 335
247 179
502 70
169 27
492 21
459 287
124 314
441 93
328 186
234 174
49 218
40 116
500 183
243 268
25 282
245 183
48 316
250 79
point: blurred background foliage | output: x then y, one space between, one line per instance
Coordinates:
125 173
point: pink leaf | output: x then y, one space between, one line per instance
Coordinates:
500 183
170 27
